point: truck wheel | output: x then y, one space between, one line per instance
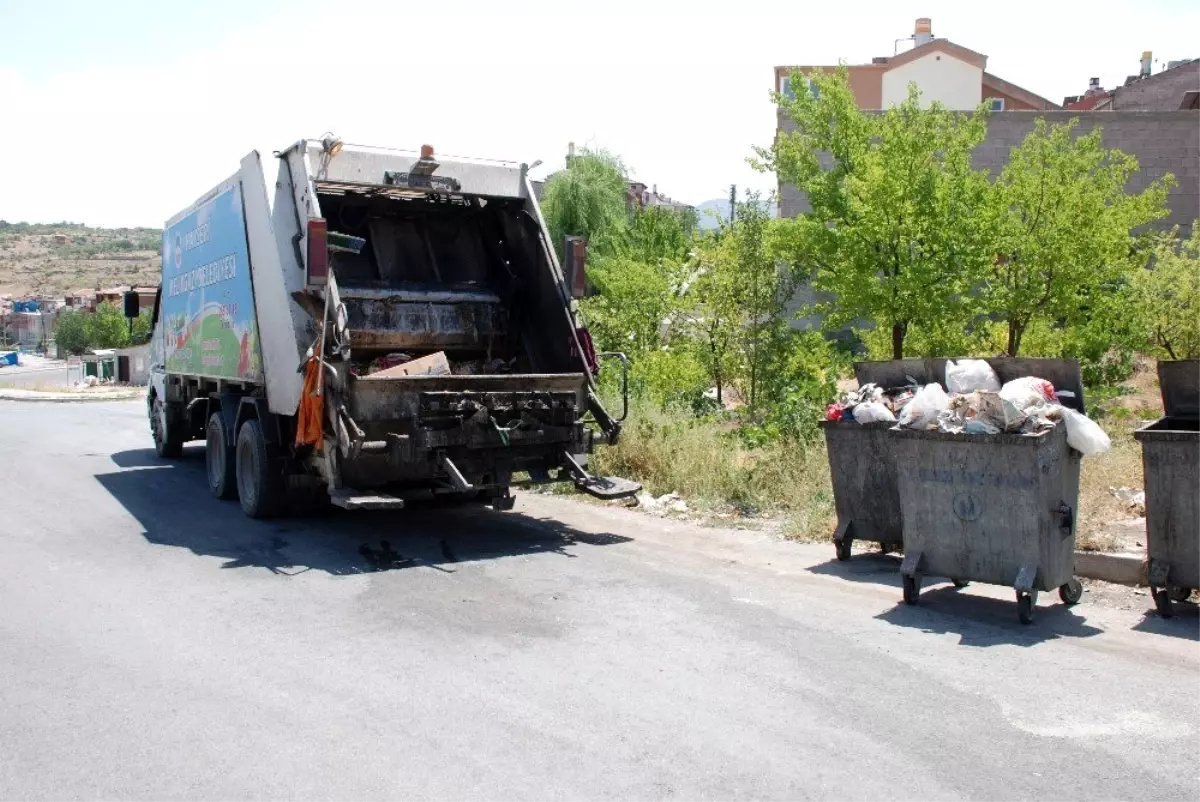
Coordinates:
259 483
220 459
168 441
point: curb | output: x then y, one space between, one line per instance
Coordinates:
64 398
1123 569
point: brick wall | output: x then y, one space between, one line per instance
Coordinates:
1163 142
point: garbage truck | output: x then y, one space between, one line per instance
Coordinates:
391 326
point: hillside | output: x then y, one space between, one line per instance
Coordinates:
56 258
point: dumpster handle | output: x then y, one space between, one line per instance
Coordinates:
1068 517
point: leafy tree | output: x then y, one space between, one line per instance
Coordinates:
141 328
895 236
1169 295
71 331
1064 226
587 199
759 295
108 327
711 312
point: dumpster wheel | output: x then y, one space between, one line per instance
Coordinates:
1025 602
960 583
1071 592
842 548
1179 594
1162 600
912 588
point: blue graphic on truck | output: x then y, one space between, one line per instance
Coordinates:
209 325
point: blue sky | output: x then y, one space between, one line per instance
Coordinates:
127 111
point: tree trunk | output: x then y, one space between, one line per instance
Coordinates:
1015 331
898 332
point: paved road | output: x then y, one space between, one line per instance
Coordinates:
156 644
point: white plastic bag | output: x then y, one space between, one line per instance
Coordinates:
922 411
1028 391
969 375
1084 434
872 412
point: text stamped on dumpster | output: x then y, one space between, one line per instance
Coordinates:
951 476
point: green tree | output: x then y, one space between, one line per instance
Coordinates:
896 235
1065 229
141 328
587 199
71 331
1169 295
107 327
711 310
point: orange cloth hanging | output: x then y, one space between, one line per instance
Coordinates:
310 426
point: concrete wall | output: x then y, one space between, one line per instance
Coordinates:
957 84
1163 142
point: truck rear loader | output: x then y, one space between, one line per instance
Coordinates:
393 326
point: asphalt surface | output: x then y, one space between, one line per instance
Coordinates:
154 643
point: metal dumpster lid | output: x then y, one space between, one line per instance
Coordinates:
1062 373
1179 382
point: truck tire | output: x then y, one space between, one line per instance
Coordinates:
259 483
220 459
168 440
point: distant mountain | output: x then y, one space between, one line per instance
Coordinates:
711 211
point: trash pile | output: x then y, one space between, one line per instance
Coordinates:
870 404
977 403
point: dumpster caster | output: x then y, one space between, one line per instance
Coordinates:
842 549
1162 600
912 588
1071 592
1179 594
1025 603
842 540
960 583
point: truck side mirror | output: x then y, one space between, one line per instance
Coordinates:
132 304
575 266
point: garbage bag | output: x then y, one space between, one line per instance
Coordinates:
1028 391
922 411
873 412
1084 434
969 375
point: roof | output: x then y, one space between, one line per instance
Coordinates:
965 54
938 45
1011 89
1086 103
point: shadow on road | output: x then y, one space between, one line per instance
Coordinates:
1185 624
875 566
170 499
985 621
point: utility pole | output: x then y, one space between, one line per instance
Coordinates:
732 201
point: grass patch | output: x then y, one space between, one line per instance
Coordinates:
704 461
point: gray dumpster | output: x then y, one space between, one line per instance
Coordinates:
861 466
1170 452
998 509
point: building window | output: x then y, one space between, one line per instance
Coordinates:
995 104
785 88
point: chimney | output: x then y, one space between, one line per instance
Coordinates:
1147 60
1093 87
570 152
923 32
